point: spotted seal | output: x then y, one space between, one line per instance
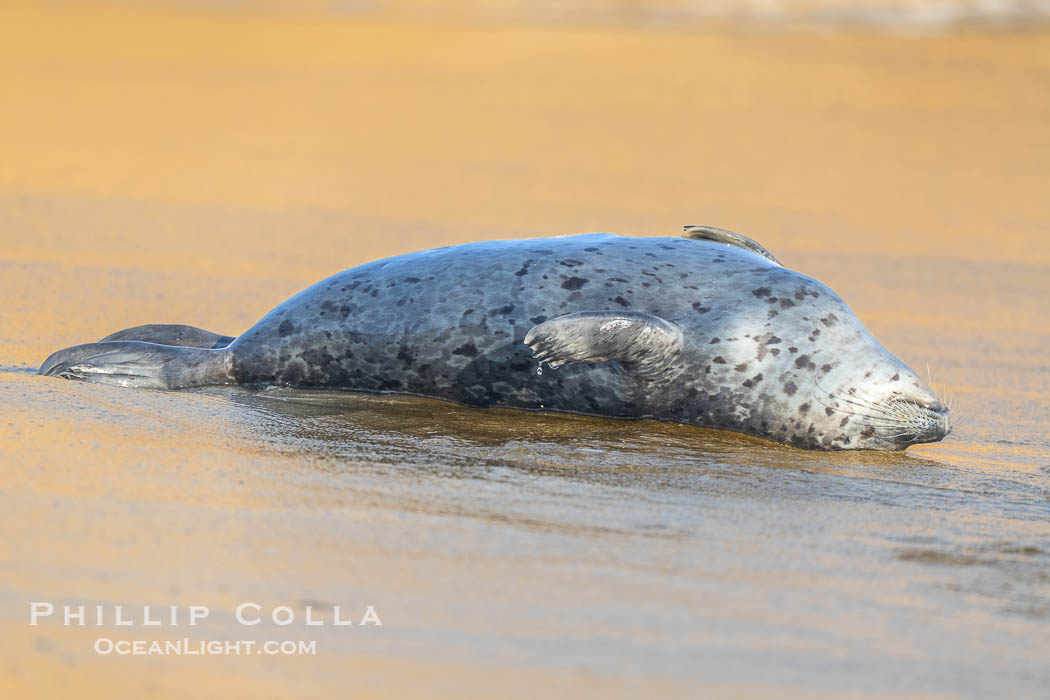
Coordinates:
708 329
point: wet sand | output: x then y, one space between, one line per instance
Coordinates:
185 166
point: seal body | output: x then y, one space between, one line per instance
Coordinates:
692 331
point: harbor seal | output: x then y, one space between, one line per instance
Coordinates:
708 329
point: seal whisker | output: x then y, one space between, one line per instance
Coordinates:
886 424
860 404
957 411
876 409
860 400
899 435
859 415
899 407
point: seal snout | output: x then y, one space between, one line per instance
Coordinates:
943 416
932 420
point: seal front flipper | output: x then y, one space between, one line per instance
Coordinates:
171 334
642 342
721 235
143 365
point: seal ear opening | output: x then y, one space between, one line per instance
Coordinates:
721 235
143 365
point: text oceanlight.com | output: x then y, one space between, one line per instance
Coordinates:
201 647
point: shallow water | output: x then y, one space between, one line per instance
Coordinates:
205 180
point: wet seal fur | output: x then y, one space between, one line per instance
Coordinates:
708 329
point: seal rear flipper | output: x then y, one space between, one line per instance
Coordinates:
171 334
645 343
142 365
721 235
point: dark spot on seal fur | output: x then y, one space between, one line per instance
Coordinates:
466 349
868 432
825 368
700 308
786 303
405 355
503 310
573 283
828 411
715 340
285 329
803 362
719 360
538 319
804 408
622 302
895 377
741 367
772 314
762 292
412 280
293 374
790 388
754 380
830 320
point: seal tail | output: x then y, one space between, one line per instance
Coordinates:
143 365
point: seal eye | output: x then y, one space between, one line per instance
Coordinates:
935 406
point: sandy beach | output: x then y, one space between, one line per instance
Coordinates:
185 164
